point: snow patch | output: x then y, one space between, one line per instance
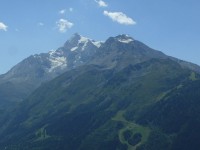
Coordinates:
74 48
57 60
37 56
125 40
97 43
84 46
83 40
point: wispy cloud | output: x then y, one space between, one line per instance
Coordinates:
71 9
120 18
63 11
3 26
17 30
63 25
101 3
40 24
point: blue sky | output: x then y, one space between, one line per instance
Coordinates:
35 26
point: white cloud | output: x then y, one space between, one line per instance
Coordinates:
63 11
40 24
101 3
63 25
120 18
71 9
3 26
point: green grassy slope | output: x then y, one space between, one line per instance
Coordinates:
93 108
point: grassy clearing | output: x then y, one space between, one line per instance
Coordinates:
192 76
134 128
42 134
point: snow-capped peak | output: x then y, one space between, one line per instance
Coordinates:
83 39
124 38
81 42
86 40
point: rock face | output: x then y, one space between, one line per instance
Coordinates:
122 50
116 52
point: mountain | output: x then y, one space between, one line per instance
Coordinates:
94 107
26 76
115 95
116 52
122 50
